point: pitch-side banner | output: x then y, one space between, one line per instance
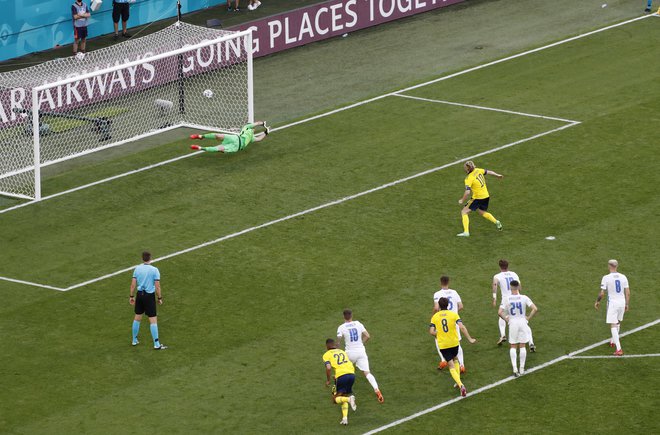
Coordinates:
328 19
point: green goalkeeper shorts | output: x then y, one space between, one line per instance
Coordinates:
231 143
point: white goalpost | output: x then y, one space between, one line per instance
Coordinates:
181 76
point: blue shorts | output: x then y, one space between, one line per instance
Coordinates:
344 384
79 32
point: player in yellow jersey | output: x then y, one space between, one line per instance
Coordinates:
443 328
342 392
475 184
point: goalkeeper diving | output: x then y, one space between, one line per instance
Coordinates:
232 143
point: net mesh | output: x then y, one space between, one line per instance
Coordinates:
207 86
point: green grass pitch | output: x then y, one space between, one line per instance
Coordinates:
246 318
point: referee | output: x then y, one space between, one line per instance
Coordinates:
120 9
147 280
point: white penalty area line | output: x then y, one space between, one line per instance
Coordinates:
508 379
320 207
491 109
459 73
33 284
351 106
312 118
645 355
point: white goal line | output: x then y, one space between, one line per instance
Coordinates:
507 379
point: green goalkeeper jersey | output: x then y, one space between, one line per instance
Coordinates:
247 135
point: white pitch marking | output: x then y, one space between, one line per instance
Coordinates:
105 180
351 106
616 356
476 68
505 380
33 284
492 109
360 103
326 205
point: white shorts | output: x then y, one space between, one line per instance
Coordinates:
359 358
518 332
615 312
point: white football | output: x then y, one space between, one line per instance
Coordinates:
80 55
208 93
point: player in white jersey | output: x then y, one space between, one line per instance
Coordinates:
514 311
503 281
355 335
455 305
618 299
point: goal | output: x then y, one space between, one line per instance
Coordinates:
69 107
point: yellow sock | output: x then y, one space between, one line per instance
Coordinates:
456 374
466 223
490 217
344 409
341 399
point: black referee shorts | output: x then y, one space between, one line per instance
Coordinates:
145 303
119 10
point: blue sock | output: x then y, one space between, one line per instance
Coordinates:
136 329
154 333
649 3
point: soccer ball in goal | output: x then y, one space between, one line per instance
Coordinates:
69 107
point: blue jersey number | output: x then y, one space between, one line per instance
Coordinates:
353 334
508 282
514 306
341 359
450 304
617 284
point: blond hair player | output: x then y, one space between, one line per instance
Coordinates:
475 185
618 300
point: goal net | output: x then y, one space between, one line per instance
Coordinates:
69 107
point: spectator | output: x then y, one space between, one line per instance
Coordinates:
80 13
254 4
235 8
120 8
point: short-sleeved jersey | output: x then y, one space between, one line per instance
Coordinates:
516 307
351 333
451 295
445 322
503 280
146 276
476 183
615 283
338 360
